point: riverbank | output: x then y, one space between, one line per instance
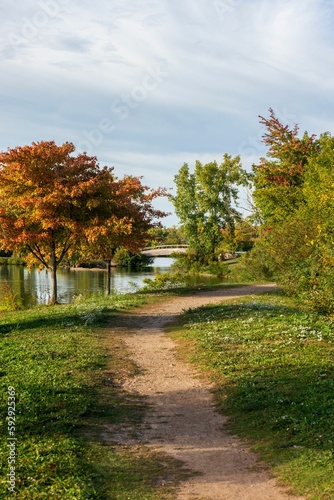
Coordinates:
88 428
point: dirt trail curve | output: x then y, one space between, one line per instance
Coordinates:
182 420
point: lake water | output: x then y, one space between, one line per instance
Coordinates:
34 286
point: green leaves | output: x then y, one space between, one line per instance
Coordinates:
205 202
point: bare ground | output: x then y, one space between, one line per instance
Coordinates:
182 421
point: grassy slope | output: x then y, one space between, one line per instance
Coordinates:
272 362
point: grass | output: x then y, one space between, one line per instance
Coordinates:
272 362
67 390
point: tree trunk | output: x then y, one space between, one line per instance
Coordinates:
108 277
54 291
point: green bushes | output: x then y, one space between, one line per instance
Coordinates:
9 301
294 194
12 261
125 258
165 281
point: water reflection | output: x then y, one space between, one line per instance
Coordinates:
34 287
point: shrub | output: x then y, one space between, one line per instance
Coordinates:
165 281
9 301
12 261
125 258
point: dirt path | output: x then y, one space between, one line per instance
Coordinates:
182 420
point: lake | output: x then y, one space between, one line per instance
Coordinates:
34 287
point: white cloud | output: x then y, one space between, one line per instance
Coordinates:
150 85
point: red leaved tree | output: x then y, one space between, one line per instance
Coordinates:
48 197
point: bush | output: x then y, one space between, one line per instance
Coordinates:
298 257
125 258
9 301
12 261
190 263
257 264
165 281
219 269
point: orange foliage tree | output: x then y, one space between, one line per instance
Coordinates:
52 201
52 204
127 218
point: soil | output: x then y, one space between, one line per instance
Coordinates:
182 420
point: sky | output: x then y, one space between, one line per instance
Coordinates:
148 85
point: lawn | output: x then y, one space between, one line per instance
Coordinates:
272 362
57 396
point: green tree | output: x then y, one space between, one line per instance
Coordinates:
166 236
205 203
125 258
241 238
299 250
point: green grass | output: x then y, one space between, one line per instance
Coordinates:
272 362
66 392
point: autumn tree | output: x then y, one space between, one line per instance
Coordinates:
166 236
205 202
294 189
47 199
308 267
128 215
279 177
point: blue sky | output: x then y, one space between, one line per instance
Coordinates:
148 85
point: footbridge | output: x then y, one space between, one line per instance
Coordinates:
164 250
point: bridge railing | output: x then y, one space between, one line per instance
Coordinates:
161 247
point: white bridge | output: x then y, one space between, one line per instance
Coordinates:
164 250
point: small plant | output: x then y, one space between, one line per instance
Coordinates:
9 300
165 281
218 269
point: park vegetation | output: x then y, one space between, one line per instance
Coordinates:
205 202
293 194
55 205
270 356
288 236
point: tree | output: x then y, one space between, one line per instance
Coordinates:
166 236
204 203
128 215
278 178
241 238
125 258
47 199
298 249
